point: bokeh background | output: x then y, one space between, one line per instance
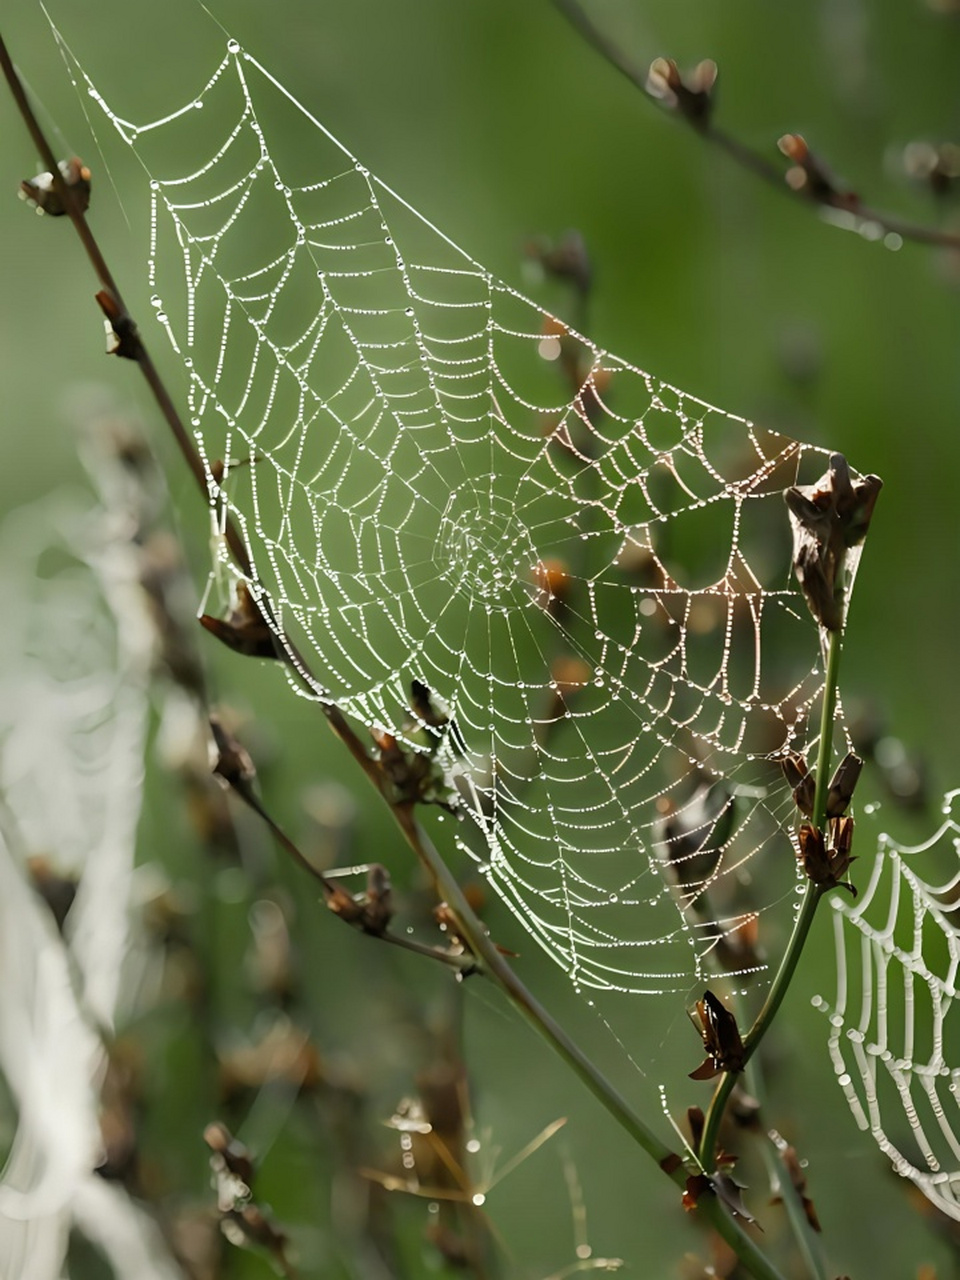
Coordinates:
498 123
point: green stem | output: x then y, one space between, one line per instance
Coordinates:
811 897
495 966
808 1243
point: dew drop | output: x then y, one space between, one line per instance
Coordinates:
409 311
233 46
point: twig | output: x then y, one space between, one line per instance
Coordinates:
113 305
473 933
825 197
811 898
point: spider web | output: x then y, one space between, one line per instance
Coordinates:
439 482
893 1038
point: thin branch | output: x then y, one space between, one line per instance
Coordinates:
113 305
845 204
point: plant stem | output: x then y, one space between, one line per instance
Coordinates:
808 1242
495 966
801 928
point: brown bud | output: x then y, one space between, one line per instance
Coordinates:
42 192
842 785
233 765
810 175
123 338
245 629
721 1039
800 780
938 167
826 863
690 94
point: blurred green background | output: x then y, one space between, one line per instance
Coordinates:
499 125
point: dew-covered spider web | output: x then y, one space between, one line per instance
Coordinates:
894 1037
440 484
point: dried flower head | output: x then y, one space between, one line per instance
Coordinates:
824 860
828 518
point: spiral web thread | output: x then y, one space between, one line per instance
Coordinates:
894 1040
439 482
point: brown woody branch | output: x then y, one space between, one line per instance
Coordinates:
110 300
823 194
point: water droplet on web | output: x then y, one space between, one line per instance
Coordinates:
156 301
409 311
233 46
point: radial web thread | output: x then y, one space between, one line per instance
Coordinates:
439 482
